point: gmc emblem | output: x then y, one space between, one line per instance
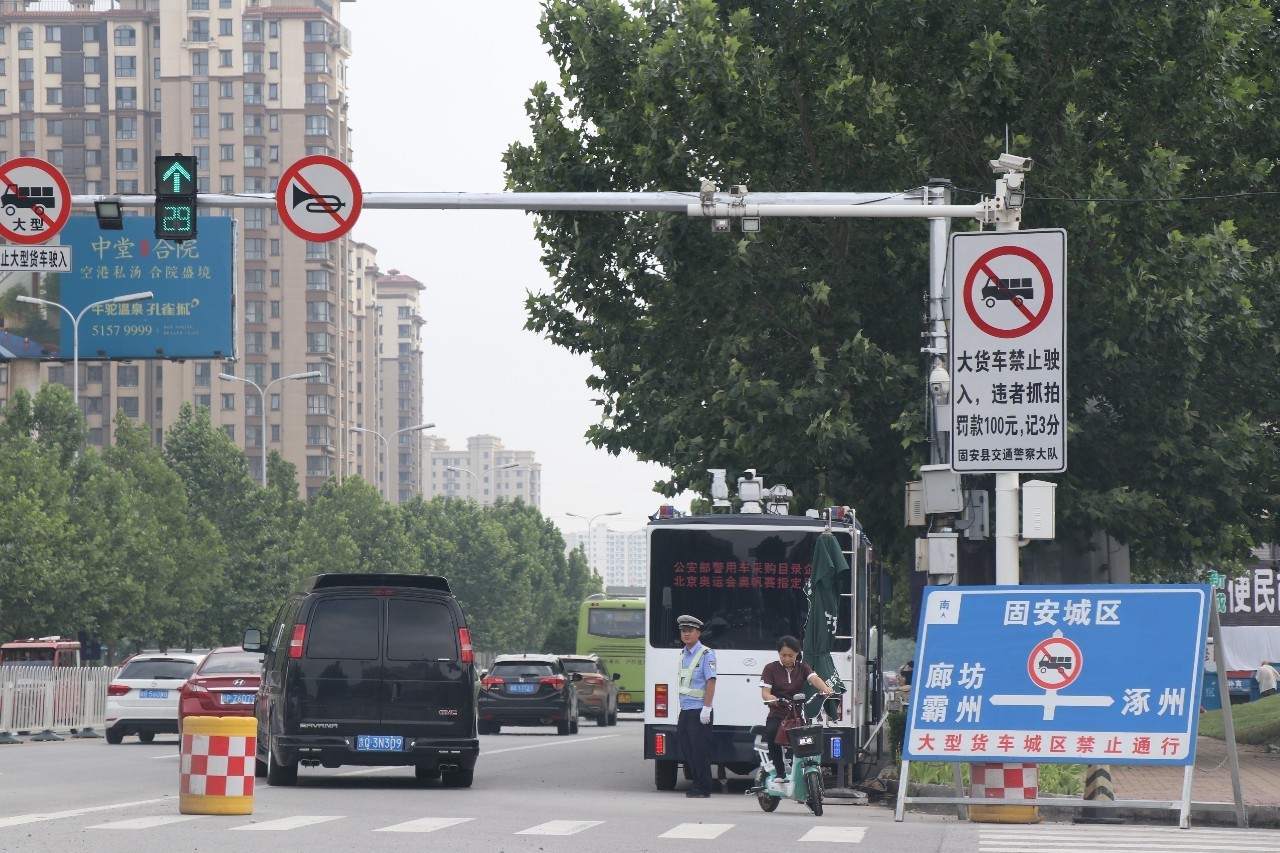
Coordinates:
448 712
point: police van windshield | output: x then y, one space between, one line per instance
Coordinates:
747 586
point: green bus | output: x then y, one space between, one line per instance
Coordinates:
612 628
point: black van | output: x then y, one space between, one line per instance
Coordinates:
368 669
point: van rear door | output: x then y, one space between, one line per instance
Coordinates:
427 689
338 678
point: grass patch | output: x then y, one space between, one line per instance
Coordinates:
1053 778
1254 722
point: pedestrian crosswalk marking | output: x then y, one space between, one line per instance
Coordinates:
836 834
147 822
426 824
560 827
697 830
286 823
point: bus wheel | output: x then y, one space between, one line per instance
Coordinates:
664 775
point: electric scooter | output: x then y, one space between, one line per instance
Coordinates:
801 778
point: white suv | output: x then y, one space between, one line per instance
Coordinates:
142 699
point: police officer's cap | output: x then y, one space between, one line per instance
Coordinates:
687 621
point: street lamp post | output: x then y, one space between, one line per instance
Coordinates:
387 445
262 394
591 521
75 328
506 466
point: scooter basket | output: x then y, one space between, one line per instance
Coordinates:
806 741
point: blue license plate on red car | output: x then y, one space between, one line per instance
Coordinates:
238 698
522 688
379 743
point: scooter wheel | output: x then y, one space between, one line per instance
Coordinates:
768 801
813 784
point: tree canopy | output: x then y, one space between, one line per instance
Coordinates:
796 350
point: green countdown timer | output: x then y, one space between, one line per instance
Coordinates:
175 197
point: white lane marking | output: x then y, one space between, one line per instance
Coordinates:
295 822
549 743
836 834
426 824
697 830
147 822
170 757
560 827
18 820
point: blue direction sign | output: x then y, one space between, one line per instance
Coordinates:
1080 674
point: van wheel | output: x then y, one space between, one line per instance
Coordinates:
664 775
259 768
278 773
114 735
458 778
146 737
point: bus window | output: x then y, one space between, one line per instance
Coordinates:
616 624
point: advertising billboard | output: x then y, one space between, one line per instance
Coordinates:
190 315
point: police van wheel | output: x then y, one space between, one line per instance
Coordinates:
664 775
280 774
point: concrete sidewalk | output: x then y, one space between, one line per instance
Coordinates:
1210 783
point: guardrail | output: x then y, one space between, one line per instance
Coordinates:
44 700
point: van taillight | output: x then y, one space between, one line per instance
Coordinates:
464 640
660 700
295 644
659 744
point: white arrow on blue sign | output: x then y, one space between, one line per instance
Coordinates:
1080 674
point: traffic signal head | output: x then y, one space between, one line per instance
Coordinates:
175 197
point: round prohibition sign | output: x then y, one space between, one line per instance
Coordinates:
32 190
1006 298
319 198
1054 663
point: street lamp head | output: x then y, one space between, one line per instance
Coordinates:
229 376
22 297
134 297
417 427
506 466
310 374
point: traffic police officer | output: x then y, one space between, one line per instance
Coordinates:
697 683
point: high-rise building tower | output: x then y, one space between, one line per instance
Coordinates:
98 88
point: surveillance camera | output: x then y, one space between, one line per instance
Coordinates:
749 474
939 382
1007 162
738 190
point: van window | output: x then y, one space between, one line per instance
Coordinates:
420 630
344 628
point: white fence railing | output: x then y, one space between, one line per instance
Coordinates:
37 699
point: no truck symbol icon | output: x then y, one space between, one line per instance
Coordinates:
1008 292
1054 663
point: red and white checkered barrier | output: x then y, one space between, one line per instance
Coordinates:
1003 781
216 767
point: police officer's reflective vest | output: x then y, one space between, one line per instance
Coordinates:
686 675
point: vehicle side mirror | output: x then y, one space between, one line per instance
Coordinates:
252 640
617 676
575 676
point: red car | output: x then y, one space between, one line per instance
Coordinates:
225 684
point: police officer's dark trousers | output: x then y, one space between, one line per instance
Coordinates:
694 739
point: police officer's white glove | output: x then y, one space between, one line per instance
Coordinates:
704 716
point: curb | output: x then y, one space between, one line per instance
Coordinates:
1258 816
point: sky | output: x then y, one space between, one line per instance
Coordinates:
437 91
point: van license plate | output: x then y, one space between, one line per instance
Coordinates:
379 743
238 698
153 694
522 688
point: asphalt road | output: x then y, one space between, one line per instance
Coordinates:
533 791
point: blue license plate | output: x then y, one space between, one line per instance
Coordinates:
522 688
153 694
238 698
379 743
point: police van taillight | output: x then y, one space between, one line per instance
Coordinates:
295 644
660 700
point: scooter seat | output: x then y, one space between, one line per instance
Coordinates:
759 730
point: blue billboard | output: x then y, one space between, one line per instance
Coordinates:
1080 674
192 313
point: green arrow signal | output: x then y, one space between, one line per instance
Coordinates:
178 174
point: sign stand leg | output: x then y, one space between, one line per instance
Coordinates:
962 811
1228 725
903 776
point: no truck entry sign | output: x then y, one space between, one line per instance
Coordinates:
1081 674
1009 351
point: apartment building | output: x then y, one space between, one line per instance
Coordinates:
484 472
620 558
98 88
